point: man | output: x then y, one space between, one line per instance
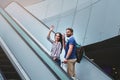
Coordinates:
70 52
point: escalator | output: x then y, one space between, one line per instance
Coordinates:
7 68
26 50
38 32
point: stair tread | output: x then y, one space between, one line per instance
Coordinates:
7 68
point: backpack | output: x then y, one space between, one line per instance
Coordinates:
79 52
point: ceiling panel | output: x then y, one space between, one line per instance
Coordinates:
4 3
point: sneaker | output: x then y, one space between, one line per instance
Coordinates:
74 78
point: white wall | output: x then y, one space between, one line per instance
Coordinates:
62 14
104 21
91 24
49 8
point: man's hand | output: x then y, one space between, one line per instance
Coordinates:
65 61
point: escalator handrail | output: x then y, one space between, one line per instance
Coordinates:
97 66
23 74
36 41
16 30
64 75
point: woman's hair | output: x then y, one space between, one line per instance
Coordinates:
60 38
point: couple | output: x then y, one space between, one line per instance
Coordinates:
69 46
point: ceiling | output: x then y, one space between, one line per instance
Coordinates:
4 3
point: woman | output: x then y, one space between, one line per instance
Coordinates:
56 46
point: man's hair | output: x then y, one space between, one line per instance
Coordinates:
70 29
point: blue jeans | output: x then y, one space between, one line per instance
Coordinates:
58 61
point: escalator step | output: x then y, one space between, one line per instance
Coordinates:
5 68
4 61
2 54
11 75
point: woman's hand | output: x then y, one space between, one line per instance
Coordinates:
54 58
52 27
63 37
63 41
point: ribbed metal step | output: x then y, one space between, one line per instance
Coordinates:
7 68
11 75
4 62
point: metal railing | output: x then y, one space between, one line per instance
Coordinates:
16 63
33 43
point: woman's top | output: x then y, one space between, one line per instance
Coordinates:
56 48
